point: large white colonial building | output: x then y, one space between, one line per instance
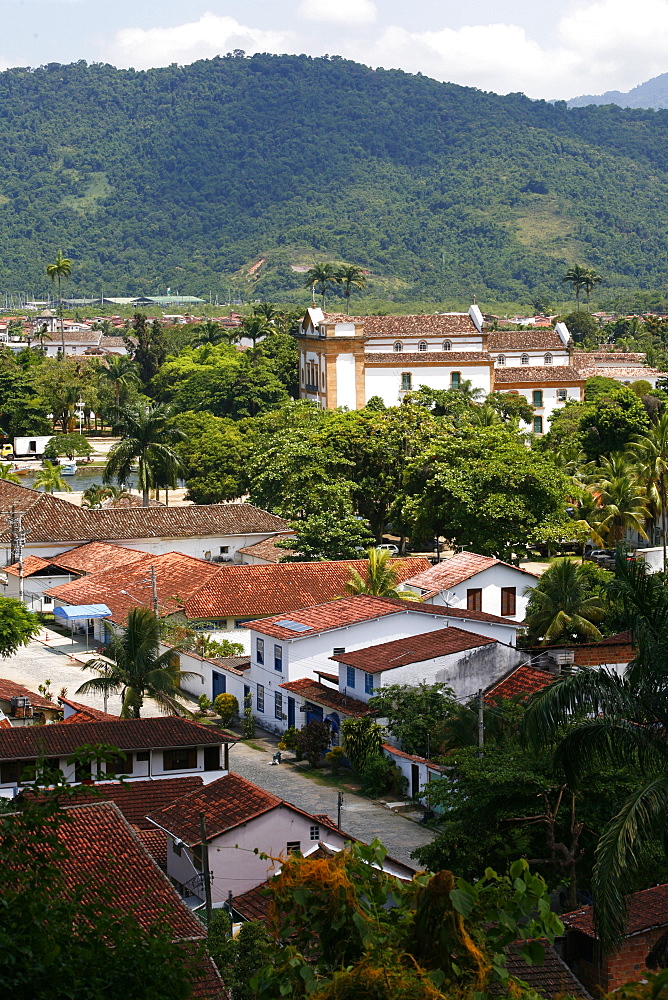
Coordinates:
345 360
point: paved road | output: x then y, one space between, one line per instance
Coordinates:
359 816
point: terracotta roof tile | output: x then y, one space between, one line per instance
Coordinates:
546 373
311 690
416 326
522 680
542 339
646 909
632 374
412 649
462 566
155 844
399 358
254 904
266 549
31 565
351 610
551 979
121 503
127 734
388 748
84 713
226 803
10 689
95 557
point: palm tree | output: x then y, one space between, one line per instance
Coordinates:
576 276
561 607
255 327
350 277
651 450
135 668
43 335
621 720
61 268
623 505
380 577
324 275
484 415
7 474
121 372
209 332
267 310
147 434
95 495
50 479
591 279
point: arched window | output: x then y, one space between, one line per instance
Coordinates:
422 346
447 346
455 380
501 360
548 359
525 359
406 381
398 347
538 397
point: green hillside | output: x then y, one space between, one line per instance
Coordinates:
190 176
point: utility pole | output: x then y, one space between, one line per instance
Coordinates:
154 588
481 721
339 804
229 910
206 873
18 540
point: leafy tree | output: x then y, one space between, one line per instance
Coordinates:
134 667
362 740
17 625
227 707
206 646
415 714
7 475
325 536
622 506
213 455
612 420
563 606
651 449
59 269
61 383
146 346
320 276
350 277
50 479
614 719
147 438
71 445
240 958
313 741
511 406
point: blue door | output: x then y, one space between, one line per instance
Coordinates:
291 712
218 684
314 713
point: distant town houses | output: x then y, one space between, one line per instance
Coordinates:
347 360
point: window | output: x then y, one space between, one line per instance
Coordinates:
422 346
455 380
12 771
179 759
143 756
398 347
561 395
278 706
278 657
548 359
538 397
323 380
293 846
120 764
47 599
212 758
177 847
224 549
538 425
501 360
508 601
259 698
259 650
314 833
525 359
350 677
447 346
368 683
406 381
474 599
338 650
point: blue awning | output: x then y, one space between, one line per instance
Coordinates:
72 612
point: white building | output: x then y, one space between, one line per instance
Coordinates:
477 583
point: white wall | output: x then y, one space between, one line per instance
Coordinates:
386 382
346 394
491 581
33 589
205 669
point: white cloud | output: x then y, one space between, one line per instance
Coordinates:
598 46
353 12
210 36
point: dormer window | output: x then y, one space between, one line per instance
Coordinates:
548 359
525 359
501 360
398 347
447 346
422 346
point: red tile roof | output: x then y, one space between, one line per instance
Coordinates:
352 610
462 566
311 690
412 757
551 978
93 557
84 713
254 904
127 734
267 549
136 799
522 680
226 803
417 325
646 909
10 689
155 843
524 340
526 374
211 590
31 565
48 518
412 649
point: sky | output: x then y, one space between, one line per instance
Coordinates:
544 50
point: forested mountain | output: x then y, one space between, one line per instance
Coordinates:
190 176
651 94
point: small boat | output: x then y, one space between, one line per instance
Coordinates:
18 471
68 469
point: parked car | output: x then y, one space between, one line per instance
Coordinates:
388 548
600 555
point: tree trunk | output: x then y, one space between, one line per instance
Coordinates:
662 488
60 309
